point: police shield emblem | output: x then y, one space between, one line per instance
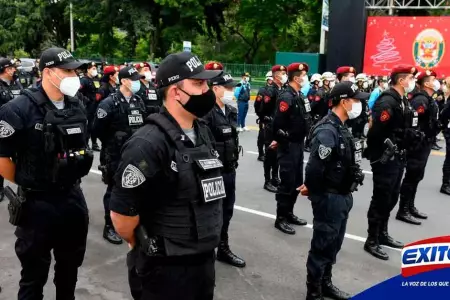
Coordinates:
101 113
132 177
6 130
324 152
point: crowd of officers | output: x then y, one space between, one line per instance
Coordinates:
169 154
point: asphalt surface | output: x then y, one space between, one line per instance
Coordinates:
275 261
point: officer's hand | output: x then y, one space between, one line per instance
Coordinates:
273 145
303 190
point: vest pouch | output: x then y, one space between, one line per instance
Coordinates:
71 136
212 186
72 166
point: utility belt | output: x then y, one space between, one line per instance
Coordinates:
330 190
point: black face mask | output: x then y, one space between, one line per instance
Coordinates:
199 105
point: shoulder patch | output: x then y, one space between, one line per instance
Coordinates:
101 113
385 116
173 166
132 177
6 130
284 106
324 152
258 98
266 99
421 109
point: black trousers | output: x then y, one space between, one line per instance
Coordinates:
290 160
188 278
386 189
330 213
55 221
90 134
446 166
270 158
229 179
415 171
260 140
106 200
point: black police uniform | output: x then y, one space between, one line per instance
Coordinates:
88 88
331 175
223 126
444 117
291 124
360 122
105 90
392 119
49 149
116 120
266 113
150 97
176 188
258 107
427 110
319 108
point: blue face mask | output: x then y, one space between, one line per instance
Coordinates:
305 89
135 86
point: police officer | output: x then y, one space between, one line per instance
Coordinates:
426 107
316 101
222 121
109 83
89 88
291 124
168 200
257 106
389 137
268 100
117 118
7 75
330 191
444 117
147 90
346 73
43 150
328 80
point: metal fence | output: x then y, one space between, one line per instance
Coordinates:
255 71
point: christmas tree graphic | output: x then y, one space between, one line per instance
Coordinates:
387 53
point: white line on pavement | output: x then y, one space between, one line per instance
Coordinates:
273 217
305 161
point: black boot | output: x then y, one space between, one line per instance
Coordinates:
269 187
372 245
110 234
260 157
403 213
445 188
275 181
2 193
314 291
293 219
329 289
414 212
225 255
436 147
283 225
386 240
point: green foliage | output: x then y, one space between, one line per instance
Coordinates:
249 31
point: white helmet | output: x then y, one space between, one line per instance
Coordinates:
361 77
316 77
269 75
328 76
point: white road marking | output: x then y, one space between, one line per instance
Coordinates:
273 217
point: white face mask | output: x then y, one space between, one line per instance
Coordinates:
284 78
117 80
148 76
227 97
69 86
356 110
352 79
365 85
385 85
436 85
305 81
410 87
445 89
332 83
320 83
94 73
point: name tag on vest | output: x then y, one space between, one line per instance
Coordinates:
73 130
207 164
213 189
152 97
226 130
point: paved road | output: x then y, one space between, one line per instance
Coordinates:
275 262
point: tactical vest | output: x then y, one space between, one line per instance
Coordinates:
301 108
5 93
63 133
339 177
226 137
194 215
